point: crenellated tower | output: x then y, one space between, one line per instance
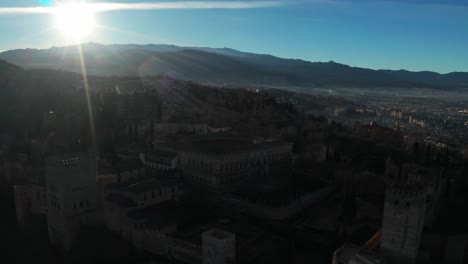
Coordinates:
404 213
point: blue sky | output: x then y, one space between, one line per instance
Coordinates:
392 34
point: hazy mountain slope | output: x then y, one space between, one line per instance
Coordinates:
453 78
7 70
26 94
120 60
322 73
220 66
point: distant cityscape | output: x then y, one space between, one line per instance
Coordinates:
439 115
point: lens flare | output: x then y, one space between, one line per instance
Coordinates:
46 2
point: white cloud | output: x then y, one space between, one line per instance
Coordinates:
105 7
26 10
187 5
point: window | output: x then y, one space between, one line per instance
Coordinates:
152 195
38 196
428 199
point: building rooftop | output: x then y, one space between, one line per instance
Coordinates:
350 253
346 252
269 196
221 144
71 160
243 230
148 183
128 149
162 214
181 120
121 200
162 153
122 166
219 234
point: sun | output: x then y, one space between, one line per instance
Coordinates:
75 20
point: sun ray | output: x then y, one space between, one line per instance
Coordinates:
88 98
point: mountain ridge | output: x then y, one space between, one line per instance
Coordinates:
222 65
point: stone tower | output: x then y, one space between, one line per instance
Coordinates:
404 215
71 195
219 247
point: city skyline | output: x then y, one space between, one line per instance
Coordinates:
410 35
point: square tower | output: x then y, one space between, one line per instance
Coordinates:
71 195
404 214
219 247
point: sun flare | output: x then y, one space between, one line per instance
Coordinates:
75 20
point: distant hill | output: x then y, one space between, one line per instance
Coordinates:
221 66
459 79
25 94
6 66
7 69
